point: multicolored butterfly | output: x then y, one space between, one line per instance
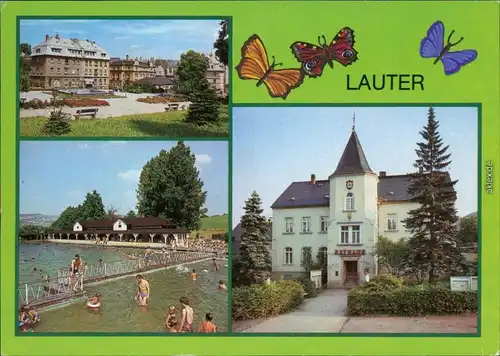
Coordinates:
314 58
433 46
255 65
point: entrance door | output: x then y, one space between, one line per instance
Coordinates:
351 272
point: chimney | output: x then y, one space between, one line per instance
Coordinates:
126 57
313 178
46 38
382 174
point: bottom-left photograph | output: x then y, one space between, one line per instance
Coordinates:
122 237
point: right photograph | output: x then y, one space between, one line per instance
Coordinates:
358 220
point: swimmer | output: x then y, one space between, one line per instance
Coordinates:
100 261
28 316
187 319
204 269
143 293
216 265
193 275
171 320
208 326
95 299
222 286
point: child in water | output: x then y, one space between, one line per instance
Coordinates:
95 299
171 320
27 316
208 326
193 275
222 286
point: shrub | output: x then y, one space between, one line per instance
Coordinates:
264 300
309 287
409 301
157 100
80 103
56 126
382 282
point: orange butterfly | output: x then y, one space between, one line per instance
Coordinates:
255 65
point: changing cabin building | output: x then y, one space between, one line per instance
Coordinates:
148 229
68 63
340 217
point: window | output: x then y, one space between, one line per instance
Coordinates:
324 224
350 234
323 256
288 256
391 222
289 225
306 224
344 234
356 234
349 201
119 224
306 253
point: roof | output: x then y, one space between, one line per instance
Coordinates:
353 160
305 194
133 223
238 232
69 47
129 231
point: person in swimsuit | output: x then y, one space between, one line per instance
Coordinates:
74 271
187 316
222 286
143 293
95 299
216 265
171 320
193 275
208 326
27 316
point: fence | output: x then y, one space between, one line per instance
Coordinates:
64 285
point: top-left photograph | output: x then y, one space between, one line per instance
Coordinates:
124 77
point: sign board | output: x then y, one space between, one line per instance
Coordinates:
461 284
350 252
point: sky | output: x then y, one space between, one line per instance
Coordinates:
273 147
166 39
56 174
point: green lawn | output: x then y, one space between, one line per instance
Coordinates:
165 124
212 225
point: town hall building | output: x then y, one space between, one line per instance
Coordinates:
340 217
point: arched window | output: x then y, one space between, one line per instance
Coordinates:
288 255
349 201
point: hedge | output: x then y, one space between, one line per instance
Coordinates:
265 300
409 301
309 287
382 282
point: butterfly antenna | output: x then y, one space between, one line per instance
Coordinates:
454 44
273 62
324 40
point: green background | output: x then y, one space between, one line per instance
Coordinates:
387 39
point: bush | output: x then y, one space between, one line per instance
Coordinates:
265 300
409 301
157 100
56 126
383 282
309 287
80 103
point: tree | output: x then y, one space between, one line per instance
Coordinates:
57 124
204 106
203 212
254 262
221 44
170 187
131 214
112 213
392 255
467 233
307 261
24 67
93 207
30 230
191 71
434 243
68 218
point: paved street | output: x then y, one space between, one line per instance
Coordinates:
327 314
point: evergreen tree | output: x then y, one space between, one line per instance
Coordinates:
68 218
434 244
204 106
221 45
254 262
24 67
93 207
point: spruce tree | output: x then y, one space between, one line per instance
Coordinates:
255 251
204 106
434 245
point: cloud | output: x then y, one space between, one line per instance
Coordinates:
134 46
113 143
82 146
203 159
132 175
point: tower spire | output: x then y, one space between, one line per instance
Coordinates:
354 120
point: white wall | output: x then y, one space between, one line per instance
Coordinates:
119 225
401 210
315 239
77 227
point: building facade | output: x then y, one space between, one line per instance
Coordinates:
339 217
69 63
217 75
128 70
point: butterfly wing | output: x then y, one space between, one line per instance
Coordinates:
313 58
432 45
254 61
453 61
279 83
341 49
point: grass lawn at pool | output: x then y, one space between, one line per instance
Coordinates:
212 225
164 124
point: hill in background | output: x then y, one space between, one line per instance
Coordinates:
36 219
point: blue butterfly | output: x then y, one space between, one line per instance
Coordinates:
433 46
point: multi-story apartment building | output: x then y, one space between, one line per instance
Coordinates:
128 70
217 75
69 63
